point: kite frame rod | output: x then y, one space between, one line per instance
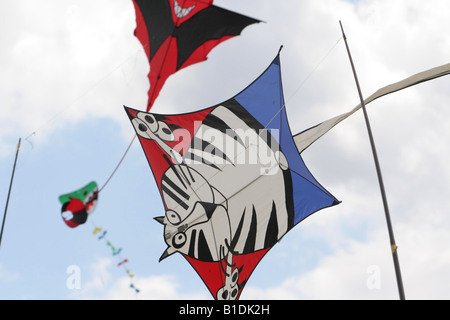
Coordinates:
9 191
380 178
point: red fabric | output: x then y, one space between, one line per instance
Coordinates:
189 122
212 273
74 206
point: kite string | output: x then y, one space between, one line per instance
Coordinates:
148 107
118 165
79 97
92 88
148 104
284 103
315 68
304 81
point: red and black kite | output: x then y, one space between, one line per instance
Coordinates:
179 33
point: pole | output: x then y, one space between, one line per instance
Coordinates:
380 178
9 192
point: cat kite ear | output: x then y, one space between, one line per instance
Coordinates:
169 251
160 219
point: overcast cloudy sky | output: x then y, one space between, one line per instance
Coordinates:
67 69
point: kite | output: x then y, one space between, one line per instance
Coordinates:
78 205
178 33
232 181
304 139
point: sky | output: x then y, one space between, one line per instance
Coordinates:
67 69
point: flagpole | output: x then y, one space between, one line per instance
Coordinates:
9 192
380 178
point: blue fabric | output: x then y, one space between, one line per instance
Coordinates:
264 100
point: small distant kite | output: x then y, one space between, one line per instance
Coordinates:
79 204
232 181
178 33
76 208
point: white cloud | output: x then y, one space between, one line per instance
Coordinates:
348 273
163 287
105 283
61 64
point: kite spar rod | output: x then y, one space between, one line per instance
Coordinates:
9 192
380 178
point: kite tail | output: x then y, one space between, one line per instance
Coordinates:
101 235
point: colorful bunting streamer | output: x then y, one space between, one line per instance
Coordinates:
116 252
